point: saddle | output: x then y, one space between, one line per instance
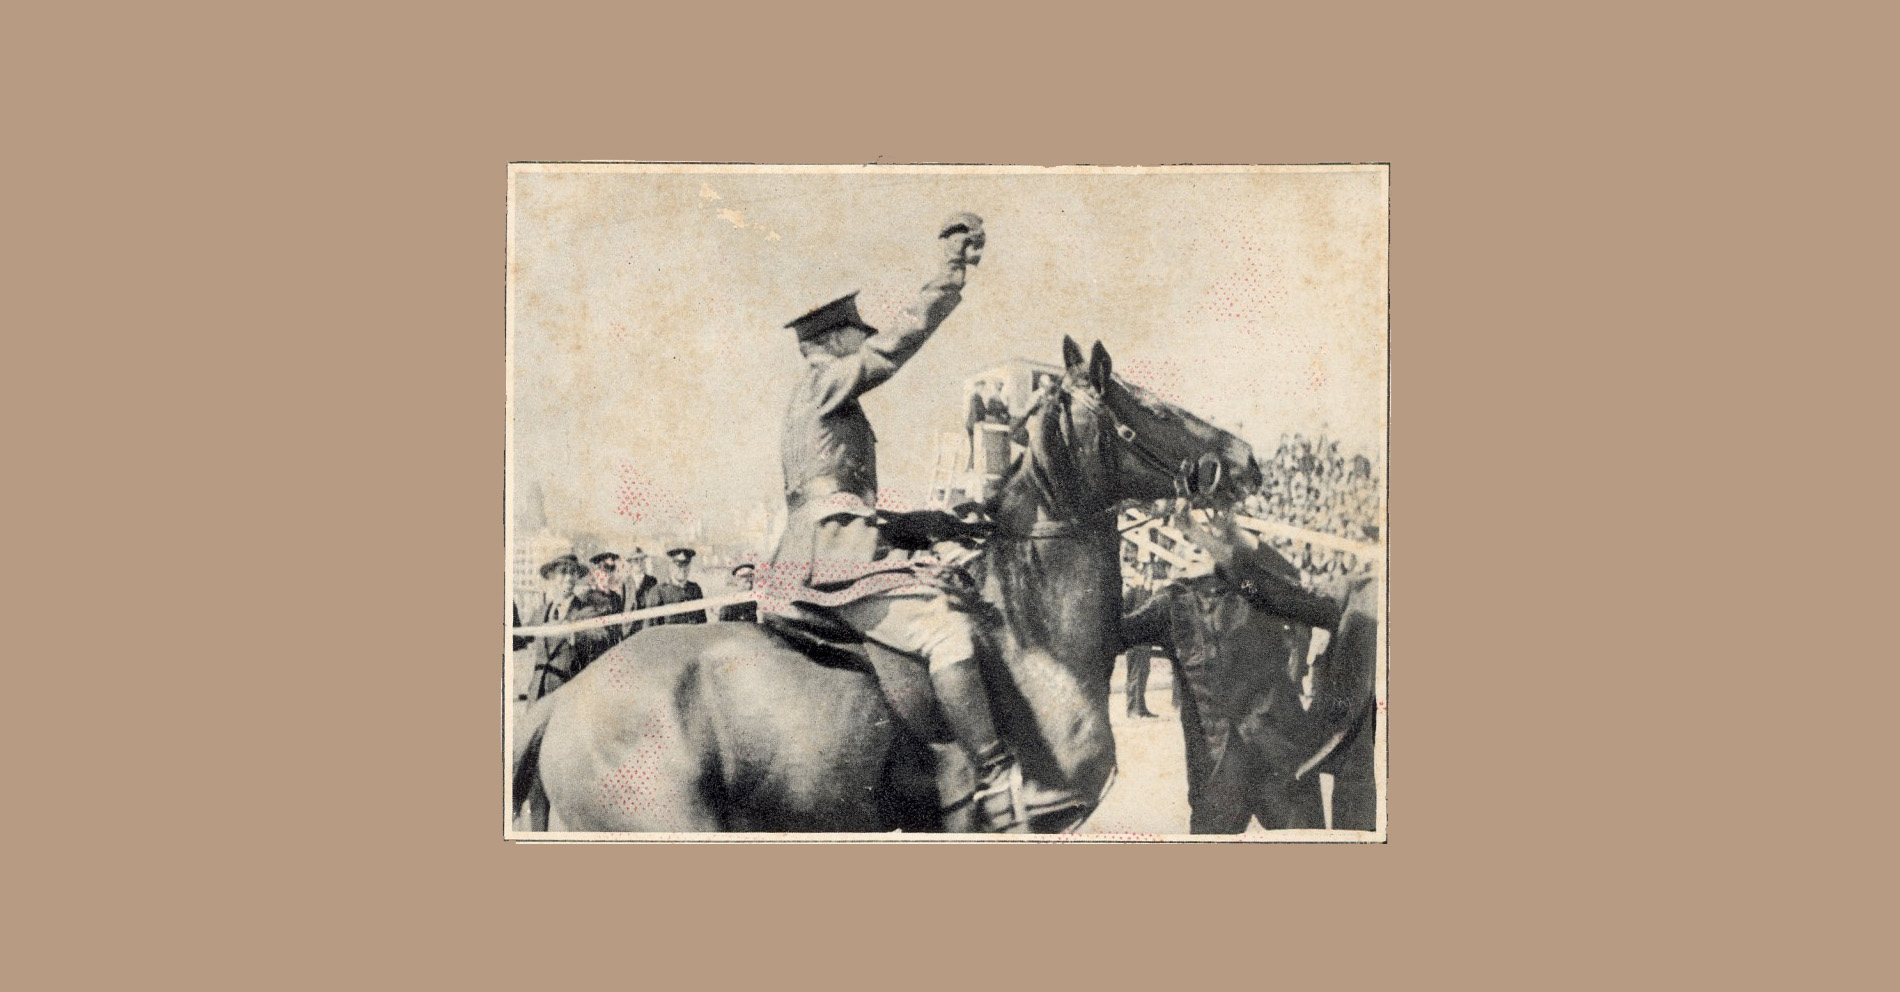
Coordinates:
930 774
818 634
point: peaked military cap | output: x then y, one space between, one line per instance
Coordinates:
604 557
841 312
746 567
681 555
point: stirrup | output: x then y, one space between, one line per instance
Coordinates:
1007 787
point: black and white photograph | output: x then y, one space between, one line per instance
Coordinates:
946 503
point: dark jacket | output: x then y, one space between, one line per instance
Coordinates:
1238 662
1344 680
668 593
564 656
634 597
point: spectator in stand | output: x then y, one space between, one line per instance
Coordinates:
1311 484
995 409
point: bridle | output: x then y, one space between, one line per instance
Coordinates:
1116 437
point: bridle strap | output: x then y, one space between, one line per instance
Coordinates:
1062 527
1045 529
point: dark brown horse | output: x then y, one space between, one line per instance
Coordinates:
724 727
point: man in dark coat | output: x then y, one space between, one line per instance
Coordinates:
1135 667
677 589
996 409
741 612
976 416
605 578
635 586
1232 633
564 656
829 555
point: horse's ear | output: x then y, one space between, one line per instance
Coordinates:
1071 354
1101 367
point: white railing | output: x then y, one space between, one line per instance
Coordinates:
691 605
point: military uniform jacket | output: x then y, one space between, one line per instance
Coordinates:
829 452
668 593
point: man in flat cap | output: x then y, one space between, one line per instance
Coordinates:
829 553
564 656
677 588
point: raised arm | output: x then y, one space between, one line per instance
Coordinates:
882 354
1267 581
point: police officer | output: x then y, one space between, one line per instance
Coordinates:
741 612
677 589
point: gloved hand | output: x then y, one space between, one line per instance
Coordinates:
963 239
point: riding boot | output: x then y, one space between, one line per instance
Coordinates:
966 708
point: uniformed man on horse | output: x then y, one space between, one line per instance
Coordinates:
829 557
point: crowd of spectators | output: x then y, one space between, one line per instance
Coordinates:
1312 485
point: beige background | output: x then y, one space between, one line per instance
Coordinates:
256 370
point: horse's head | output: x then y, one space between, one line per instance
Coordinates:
1094 442
1122 443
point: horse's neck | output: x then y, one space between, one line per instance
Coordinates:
1061 595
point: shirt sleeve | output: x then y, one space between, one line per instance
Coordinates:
1282 598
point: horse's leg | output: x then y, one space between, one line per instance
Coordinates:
530 799
538 811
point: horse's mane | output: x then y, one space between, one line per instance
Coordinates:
1046 477
1046 474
